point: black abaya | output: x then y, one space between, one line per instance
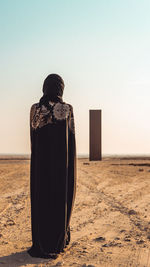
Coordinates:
52 177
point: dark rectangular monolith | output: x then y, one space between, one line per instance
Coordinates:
95 145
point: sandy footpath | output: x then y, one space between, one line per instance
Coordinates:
110 224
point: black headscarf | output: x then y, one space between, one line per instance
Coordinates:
53 88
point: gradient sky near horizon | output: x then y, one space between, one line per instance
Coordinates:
102 51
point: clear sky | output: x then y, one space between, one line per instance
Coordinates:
100 48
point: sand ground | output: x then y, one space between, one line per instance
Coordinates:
110 224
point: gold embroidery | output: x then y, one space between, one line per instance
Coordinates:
41 116
61 111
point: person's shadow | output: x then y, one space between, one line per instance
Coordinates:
22 258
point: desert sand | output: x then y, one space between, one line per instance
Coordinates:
110 224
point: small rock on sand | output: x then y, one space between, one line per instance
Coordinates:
121 231
127 239
117 238
140 241
99 239
131 212
113 244
60 263
10 222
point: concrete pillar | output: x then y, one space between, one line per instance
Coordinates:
95 145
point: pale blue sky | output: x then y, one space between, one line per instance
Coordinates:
102 51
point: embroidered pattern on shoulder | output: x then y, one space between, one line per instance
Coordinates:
35 120
41 117
61 111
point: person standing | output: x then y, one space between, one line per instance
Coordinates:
52 170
